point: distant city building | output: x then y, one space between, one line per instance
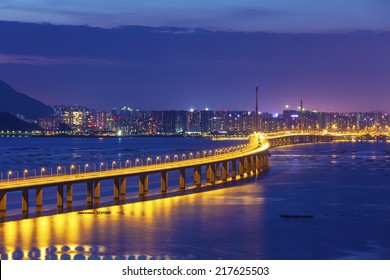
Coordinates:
127 121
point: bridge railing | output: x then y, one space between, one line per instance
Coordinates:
77 168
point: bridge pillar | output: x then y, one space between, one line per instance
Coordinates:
211 173
182 179
218 171
25 201
246 166
224 171
234 169
69 193
164 181
241 167
122 188
198 176
116 188
3 202
60 196
89 191
38 199
143 184
96 191
253 165
258 163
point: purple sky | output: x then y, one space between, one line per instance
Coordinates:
212 55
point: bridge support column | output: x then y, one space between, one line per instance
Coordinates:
241 167
96 191
122 188
246 166
25 201
164 181
218 171
258 163
3 202
234 169
211 173
69 193
224 171
89 192
116 189
38 199
60 196
198 176
253 165
143 184
182 179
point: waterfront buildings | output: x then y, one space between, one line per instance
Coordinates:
127 121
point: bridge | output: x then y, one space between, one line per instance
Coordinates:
234 163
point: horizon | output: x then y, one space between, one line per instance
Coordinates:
196 109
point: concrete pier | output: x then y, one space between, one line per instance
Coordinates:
182 178
60 196
38 198
25 201
143 184
96 191
164 181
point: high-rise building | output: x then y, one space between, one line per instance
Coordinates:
205 120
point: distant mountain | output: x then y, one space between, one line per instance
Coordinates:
15 102
10 122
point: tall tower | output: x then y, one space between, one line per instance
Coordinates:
257 109
301 116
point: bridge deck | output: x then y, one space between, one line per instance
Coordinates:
15 185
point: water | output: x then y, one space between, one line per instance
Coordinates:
317 201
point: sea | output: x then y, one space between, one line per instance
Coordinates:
316 201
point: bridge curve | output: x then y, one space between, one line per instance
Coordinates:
238 164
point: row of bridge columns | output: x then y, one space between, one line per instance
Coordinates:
294 139
240 168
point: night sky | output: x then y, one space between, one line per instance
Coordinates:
196 54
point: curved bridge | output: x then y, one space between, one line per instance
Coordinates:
238 163
234 164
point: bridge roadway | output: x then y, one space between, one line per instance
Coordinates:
252 159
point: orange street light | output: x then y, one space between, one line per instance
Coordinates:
24 173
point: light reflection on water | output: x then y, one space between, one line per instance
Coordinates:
132 231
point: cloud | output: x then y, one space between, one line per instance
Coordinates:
44 60
255 13
244 15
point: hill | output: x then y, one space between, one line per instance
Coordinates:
10 122
15 102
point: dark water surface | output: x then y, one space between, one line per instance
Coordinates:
317 201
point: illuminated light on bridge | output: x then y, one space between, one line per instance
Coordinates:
221 166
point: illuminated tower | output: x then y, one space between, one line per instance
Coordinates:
301 116
257 109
